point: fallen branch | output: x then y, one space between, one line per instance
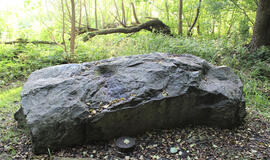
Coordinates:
154 25
26 41
83 30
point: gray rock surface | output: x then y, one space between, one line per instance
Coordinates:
74 104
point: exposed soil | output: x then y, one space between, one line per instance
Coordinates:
249 141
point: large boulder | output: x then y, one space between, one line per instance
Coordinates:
75 104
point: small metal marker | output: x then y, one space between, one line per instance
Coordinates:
125 144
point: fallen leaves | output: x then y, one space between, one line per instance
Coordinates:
165 93
105 106
250 141
174 150
126 141
102 106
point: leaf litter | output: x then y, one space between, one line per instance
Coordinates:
249 141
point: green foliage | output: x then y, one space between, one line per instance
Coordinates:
250 66
9 104
214 19
8 97
244 29
18 61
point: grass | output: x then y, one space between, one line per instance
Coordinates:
249 66
9 104
8 97
19 61
257 95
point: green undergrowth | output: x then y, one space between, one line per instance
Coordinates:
18 61
9 97
9 104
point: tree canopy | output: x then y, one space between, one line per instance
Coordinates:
47 19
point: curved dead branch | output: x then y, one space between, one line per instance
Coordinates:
154 25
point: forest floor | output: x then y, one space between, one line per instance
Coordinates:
249 141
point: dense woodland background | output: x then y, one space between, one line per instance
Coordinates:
39 33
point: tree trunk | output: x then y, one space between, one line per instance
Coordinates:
167 10
86 15
232 21
196 18
63 26
117 12
198 29
73 31
123 14
134 13
80 18
117 17
96 20
102 18
213 27
180 19
68 9
261 29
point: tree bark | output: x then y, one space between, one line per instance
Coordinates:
196 18
261 29
116 7
63 25
73 29
134 13
86 15
85 29
154 25
198 29
180 18
96 20
102 16
68 9
117 17
167 10
80 18
123 14
231 24
213 27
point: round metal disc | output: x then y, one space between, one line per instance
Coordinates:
125 143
